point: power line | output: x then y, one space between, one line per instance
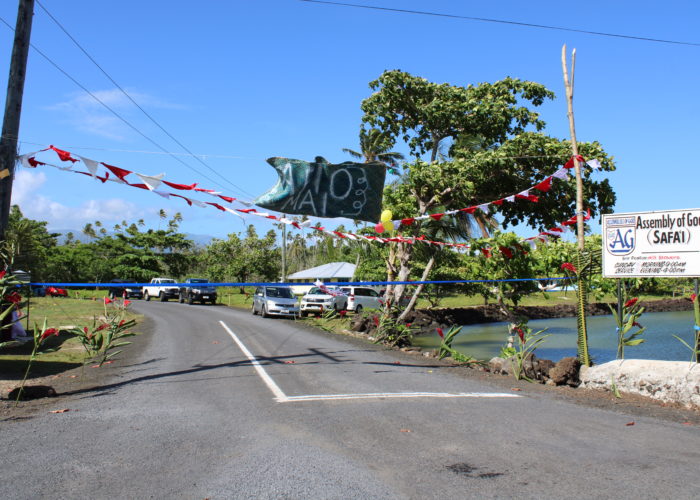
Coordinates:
501 21
133 101
106 106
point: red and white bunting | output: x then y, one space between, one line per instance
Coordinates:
543 186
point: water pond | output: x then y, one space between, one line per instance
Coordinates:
484 341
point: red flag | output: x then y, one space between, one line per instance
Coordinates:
570 163
498 202
529 197
408 221
119 172
226 198
63 155
140 186
182 187
216 205
33 162
545 185
246 210
486 252
469 210
189 202
436 216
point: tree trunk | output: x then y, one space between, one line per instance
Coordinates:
419 289
404 251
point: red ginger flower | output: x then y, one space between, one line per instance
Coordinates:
101 327
693 297
521 334
2 274
631 302
376 321
13 297
637 325
47 333
108 300
568 266
439 330
127 303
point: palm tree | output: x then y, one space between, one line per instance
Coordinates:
375 145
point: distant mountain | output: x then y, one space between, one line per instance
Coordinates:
200 240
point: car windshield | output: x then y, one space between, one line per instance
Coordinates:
281 292
167 281
198 280
316 291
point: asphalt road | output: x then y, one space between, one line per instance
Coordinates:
222 404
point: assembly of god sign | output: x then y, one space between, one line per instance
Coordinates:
322 189
652 244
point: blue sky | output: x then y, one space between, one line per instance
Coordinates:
241 81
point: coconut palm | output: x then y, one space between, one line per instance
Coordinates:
375 146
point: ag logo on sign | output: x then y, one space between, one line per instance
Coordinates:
620 240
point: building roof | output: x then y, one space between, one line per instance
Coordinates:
326 271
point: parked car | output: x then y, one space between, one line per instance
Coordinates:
199 291
122 291
317 301
361 297
274 301
163 288
52 291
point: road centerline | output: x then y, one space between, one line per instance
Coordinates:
281 397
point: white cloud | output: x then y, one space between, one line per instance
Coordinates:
88 115
59 216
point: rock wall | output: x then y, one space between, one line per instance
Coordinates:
670 381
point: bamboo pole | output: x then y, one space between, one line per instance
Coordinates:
569 85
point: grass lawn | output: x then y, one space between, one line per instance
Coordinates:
60 313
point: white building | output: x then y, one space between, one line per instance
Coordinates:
335 272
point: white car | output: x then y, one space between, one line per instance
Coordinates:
317 300
274 301
362 297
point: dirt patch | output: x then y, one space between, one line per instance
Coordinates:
71 382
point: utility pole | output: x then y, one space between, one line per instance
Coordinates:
13 108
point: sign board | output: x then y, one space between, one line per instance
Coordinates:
652 244
322 189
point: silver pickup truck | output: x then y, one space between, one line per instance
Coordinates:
161 288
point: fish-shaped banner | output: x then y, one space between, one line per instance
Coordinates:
322 189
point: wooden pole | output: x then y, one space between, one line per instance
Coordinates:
13 108
569 85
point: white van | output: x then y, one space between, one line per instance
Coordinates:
361 298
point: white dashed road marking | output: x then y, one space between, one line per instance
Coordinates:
281 397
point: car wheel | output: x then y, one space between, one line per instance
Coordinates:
190 300
358 309
303 314
252 309
161 297
263 312
146 297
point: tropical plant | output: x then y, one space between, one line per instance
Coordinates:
446 348
695 349
528 342
375 145
107 333
626 320
40 335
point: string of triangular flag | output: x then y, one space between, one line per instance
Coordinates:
153 183
526 194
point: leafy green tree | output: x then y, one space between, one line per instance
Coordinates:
492 154
29 243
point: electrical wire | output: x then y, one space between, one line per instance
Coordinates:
121 89
501 21
121 118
